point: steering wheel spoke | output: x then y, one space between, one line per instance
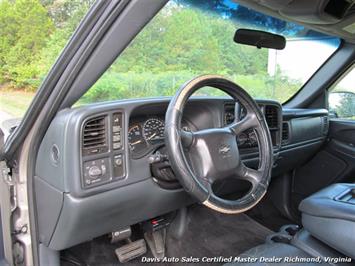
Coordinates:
187 138
249 174
249 121
207 183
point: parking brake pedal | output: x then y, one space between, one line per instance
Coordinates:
131 251
121 235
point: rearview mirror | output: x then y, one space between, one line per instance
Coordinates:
260 39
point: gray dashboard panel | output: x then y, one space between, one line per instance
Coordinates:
49 205
65 132
85 218
86 213
81 214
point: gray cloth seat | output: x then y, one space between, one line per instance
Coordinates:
328 217
275 253
300 248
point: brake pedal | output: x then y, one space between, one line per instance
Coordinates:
131 251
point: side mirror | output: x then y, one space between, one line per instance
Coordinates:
342 104
260 39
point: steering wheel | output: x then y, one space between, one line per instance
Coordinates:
203 157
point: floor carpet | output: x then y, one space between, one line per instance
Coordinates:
209 234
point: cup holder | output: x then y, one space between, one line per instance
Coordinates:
290 229
285 235
279 238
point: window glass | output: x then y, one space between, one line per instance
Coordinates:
32 35
342 97
191 37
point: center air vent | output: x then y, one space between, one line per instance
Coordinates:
95 136
271 116
229 114
285 132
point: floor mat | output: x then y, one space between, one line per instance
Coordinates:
214 234
267 214
209 234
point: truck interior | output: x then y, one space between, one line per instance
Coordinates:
211 172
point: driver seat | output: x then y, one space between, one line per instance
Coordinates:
327 238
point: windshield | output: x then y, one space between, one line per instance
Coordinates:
190 38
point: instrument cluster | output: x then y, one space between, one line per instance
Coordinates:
246 139
147 133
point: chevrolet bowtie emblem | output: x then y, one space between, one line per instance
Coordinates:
224 149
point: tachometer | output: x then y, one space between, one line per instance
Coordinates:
136 140
153 130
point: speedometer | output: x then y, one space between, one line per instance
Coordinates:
153 130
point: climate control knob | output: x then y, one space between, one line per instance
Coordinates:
94 171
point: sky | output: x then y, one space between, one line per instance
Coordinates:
301 58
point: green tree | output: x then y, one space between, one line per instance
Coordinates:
346 107
24 28
66 16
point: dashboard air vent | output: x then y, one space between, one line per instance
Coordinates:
285 132
94 135
229 114
271 116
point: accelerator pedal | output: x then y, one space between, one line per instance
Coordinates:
156 242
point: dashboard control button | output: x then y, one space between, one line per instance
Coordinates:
117 145
118 166
94 171
116 129
117 119
116 137
118 160
103 169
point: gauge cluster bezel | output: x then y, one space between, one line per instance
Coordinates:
150 144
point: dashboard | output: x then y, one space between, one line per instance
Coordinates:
104 166
146 132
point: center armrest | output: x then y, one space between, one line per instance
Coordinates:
335 201
329 215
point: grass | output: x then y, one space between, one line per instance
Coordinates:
15 103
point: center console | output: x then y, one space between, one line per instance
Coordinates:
329 215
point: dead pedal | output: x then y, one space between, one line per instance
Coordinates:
131 251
